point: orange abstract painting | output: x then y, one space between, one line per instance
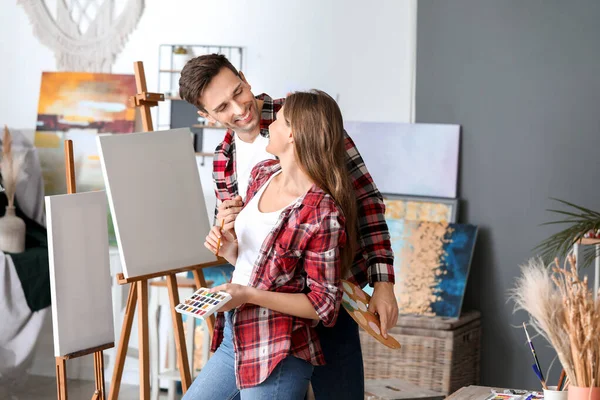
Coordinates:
79 106
82 100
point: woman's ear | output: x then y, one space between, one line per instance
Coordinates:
291 137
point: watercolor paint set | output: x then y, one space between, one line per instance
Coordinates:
510 394
202 304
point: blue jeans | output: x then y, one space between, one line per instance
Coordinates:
343 375
289 380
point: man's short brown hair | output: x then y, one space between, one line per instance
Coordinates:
197 74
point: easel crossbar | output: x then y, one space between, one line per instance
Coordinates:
85 352
122 280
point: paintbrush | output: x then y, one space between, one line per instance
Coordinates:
536 367
561 380
219 241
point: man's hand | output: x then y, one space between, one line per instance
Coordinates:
228 211
384 303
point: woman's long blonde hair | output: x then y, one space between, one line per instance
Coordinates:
318 131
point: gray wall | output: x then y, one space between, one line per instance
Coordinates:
522 77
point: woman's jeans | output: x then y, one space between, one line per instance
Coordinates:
289 380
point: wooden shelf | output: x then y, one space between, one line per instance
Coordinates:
172 98
589 241
170 71
205 154
204 126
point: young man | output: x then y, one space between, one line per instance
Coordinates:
223 95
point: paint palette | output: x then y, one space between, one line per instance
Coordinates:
202 304
355 301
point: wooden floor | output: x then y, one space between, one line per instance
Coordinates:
44 388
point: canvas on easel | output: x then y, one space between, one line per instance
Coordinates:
156 200
157 191
79 271
79 278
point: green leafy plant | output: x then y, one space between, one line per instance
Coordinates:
581 220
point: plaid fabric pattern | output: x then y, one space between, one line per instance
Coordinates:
300 255
374 261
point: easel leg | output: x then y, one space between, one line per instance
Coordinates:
182 358
115 384
99 372
201 282
61 378
144 346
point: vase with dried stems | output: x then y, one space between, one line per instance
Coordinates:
561 308
12 228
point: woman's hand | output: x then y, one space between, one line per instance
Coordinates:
228 245
239 295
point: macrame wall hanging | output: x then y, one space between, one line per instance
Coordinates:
85 35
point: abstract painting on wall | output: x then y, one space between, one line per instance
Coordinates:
412 159
77 106
431 264
414 208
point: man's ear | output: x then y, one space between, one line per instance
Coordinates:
207 116
243 78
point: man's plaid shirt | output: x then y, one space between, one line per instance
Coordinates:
374 260
301 254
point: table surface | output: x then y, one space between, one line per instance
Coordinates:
473 393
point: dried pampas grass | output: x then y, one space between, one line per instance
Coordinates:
562 309
10 166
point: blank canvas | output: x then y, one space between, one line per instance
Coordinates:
79 271
156 200
409 159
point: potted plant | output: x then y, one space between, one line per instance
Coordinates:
582 223
181 55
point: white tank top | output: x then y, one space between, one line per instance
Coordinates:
247 155
252 228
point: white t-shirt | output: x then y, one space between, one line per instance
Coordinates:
247 155
252 227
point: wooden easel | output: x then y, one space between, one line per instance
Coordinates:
61 362
138 291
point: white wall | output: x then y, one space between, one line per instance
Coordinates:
361 52
358 50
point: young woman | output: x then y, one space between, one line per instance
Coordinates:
293 241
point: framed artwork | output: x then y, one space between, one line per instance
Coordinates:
413 208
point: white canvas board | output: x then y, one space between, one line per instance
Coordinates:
156 200
80 284
409 159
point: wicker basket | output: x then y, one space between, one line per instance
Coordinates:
439 354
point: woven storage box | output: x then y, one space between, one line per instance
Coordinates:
439 354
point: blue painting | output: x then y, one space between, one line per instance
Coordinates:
431 264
